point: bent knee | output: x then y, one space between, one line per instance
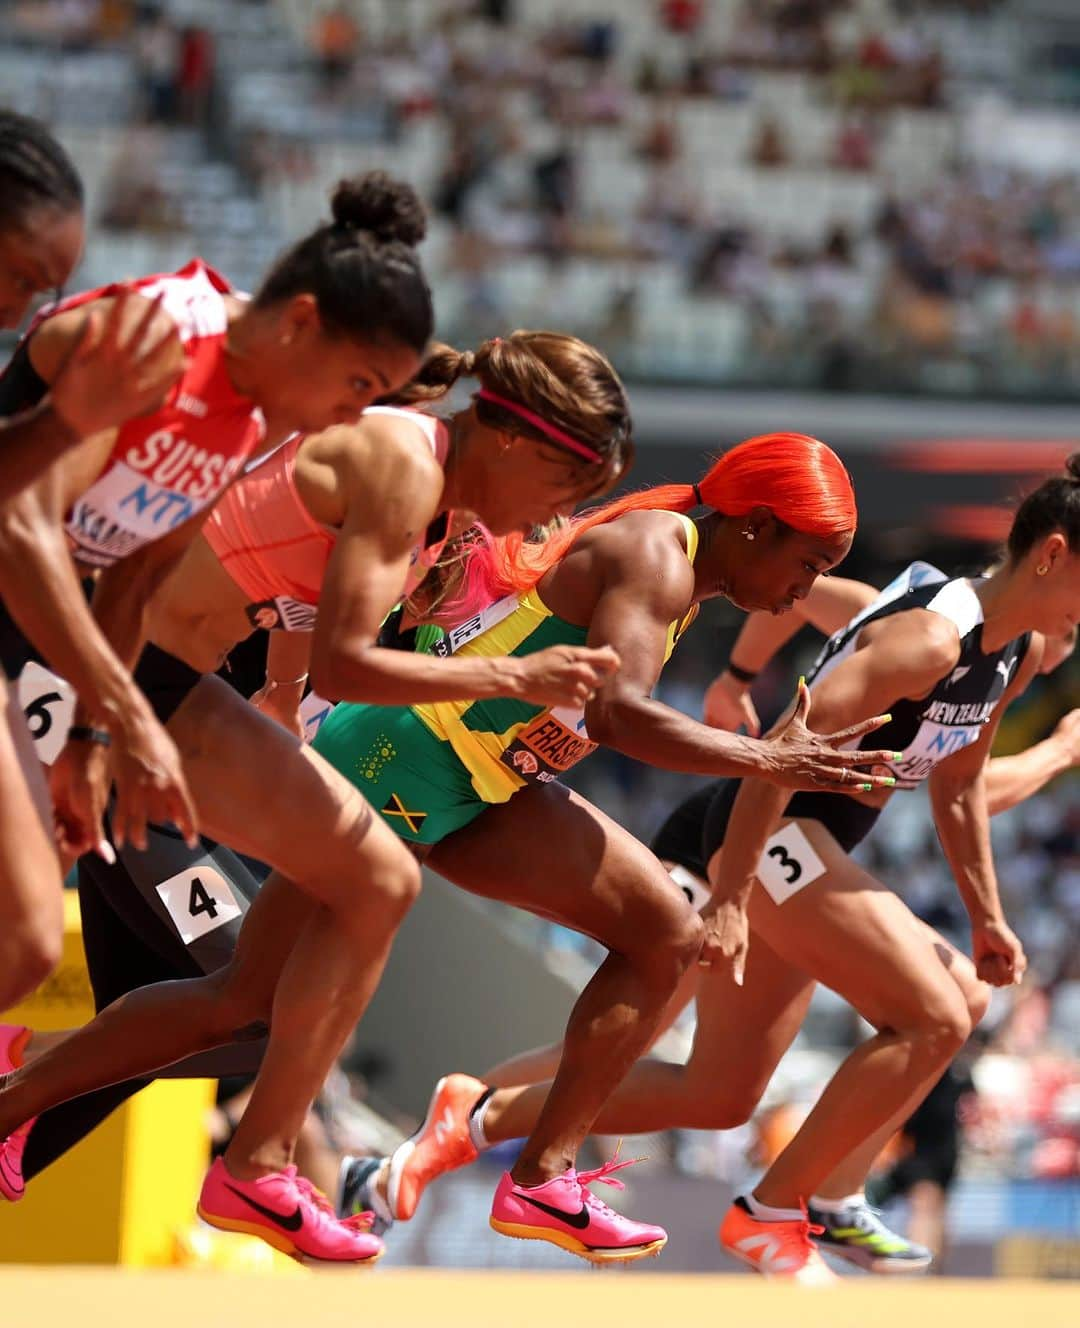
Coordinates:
978 996
723 1106
394 887
944 1026
237 1010
28 956
721 1113
672 938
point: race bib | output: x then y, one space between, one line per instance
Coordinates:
199 900
788 864
313 713
693 887
549 746
282 614
48 703
933 743
128 507
476 625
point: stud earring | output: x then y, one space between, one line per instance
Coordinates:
1041 570
748 534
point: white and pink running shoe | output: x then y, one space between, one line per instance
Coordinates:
564 1212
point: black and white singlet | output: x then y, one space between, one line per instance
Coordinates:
925 731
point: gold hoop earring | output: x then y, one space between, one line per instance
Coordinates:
1041 570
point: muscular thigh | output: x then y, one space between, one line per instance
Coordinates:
261 790
29 869
269 930
20 763
959 967
745 1030
550 851
851 933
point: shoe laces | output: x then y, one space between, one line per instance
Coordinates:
869 1220
795 1234
602 1174
315 1196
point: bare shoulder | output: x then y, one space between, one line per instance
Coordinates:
53 339
918 640
647 551
376 458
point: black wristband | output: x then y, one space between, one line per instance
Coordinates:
742 675
84 733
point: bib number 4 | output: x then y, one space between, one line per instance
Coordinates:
198 900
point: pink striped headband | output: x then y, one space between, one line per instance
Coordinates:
538 422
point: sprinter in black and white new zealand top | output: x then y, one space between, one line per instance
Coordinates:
953 714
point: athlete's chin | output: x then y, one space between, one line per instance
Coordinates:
766 606
749 604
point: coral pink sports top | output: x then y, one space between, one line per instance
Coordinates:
275 550
166 466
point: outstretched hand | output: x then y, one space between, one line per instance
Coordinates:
800 759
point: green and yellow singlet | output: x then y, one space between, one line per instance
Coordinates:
432 768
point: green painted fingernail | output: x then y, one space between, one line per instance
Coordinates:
898 756
802 680
864 788
890 782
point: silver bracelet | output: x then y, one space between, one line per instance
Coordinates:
271 683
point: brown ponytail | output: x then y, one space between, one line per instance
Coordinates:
438 374
567 382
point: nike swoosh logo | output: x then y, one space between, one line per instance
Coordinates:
579 1221
287 1221
11 1178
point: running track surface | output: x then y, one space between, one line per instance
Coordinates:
107 1298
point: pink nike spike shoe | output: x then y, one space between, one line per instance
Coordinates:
566 1213
289 1213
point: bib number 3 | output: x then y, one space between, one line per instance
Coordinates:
789 864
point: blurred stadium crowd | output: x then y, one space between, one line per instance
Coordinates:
836 193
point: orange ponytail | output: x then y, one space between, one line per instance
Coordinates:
801 481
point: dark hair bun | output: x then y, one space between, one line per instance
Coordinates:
389 209
1072 467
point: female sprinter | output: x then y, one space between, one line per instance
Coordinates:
475 783
115 373
782 557
942 655
111 377
341 521
850 1228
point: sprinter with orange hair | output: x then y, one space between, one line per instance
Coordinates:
476 783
